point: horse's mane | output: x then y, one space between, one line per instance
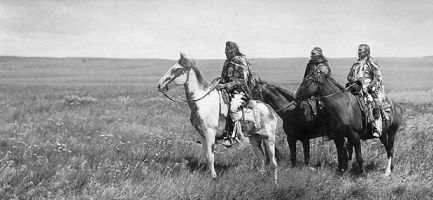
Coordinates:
332 80
190 63
288 95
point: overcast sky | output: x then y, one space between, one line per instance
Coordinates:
200 28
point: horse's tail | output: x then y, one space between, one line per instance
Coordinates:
398 113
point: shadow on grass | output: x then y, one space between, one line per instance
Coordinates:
195 164
369 167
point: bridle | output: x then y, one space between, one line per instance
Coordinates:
187 70
262 99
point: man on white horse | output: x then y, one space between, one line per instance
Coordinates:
235 79
367 71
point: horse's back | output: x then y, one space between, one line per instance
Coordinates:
265 109
267 118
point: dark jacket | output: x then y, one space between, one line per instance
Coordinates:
236 73
320 65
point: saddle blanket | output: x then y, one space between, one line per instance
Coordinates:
251 119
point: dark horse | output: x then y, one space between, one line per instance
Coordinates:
345 117
297 124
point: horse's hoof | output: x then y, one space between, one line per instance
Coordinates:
312 169
387 174
363 175
227 143
341 172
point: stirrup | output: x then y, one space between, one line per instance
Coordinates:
227 143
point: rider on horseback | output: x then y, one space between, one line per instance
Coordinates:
317 63
366 72
235 80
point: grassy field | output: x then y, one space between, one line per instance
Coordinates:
89 128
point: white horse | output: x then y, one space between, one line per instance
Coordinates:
209 112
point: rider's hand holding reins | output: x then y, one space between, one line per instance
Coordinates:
220 86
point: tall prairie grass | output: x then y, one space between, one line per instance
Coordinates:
93 137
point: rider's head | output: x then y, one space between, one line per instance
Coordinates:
232 50
316 53
363 51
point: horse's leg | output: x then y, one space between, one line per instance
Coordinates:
356 141
270 146
387 140
292 146
208 142
349 149
257 149
306 146
342 153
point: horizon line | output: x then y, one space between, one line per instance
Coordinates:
130 58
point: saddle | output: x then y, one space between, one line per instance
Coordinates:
368 117
310 108
250 120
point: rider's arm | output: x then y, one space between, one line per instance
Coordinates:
350 76
377 74
324 68
224 74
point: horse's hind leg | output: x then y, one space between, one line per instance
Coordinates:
356 141
270 146
388 141
349 149
257 149
306 147
342 153
292 146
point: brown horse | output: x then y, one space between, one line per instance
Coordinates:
345 117
298 124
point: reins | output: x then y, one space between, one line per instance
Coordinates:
333 94
215 83
188 100
279 110
285 107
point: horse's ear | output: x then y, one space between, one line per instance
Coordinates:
182 56
183 60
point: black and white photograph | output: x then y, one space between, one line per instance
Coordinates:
216 99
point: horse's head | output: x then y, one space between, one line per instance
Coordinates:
176 74
310 86
260 90
269 94
317 84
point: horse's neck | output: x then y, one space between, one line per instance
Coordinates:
277 101
194 89
286 94
329 88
